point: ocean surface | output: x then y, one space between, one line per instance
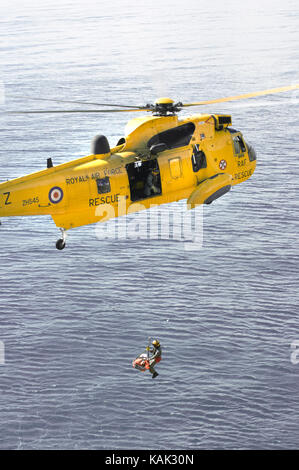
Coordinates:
71 322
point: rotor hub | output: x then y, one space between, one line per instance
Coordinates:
165 107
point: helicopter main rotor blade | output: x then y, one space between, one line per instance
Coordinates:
55 111
84 102
245 96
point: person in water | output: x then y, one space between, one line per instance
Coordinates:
156 356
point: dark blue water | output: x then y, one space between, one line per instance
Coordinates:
226 315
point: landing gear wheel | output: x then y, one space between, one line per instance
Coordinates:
60 244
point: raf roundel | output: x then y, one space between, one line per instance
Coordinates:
222 164
55 195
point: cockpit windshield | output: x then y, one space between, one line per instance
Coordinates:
239 145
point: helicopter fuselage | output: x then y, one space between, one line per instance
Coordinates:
161 159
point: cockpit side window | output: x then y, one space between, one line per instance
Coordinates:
239 145
198 159
177 137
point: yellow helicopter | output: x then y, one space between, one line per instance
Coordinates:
160 160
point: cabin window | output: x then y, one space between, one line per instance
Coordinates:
239 145
144 179
103 185
198 159
179 136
